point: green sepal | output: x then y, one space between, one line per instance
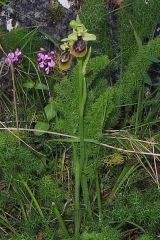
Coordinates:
89 37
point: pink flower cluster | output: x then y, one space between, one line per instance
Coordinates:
14 58
46 60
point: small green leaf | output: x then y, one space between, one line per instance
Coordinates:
29 84
50 111
41 126
147 80
40 86
154 59
137 38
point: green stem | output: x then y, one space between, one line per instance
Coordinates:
77 191
60 220
79 163
86 195
83 159
82 91
98 198
14 94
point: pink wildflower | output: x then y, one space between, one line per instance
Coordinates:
46 61
14 58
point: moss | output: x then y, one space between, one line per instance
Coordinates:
17 161
39 227
56 11
51 191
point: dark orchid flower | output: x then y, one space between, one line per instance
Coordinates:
65 60
79 48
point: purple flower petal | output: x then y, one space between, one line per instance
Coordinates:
52 52
11 55
42 50
8 61
51 63
41 65
47 70
46 56
18 52
41 56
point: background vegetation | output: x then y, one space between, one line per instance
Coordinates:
119 198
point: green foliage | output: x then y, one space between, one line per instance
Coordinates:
41 126
132 79
144 18
124 92
141 208
29 40
17 160
4 2
21 237
36 225
94 15
67 90
107 234
50 111
50 190
146 237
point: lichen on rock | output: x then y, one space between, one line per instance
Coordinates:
56 11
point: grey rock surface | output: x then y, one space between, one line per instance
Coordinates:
31 13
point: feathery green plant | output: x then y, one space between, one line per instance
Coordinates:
93 15
146 237
107 234
144 18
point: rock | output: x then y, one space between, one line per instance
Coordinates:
31 13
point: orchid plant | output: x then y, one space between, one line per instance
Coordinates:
75 45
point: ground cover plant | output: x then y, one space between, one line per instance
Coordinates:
79 127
